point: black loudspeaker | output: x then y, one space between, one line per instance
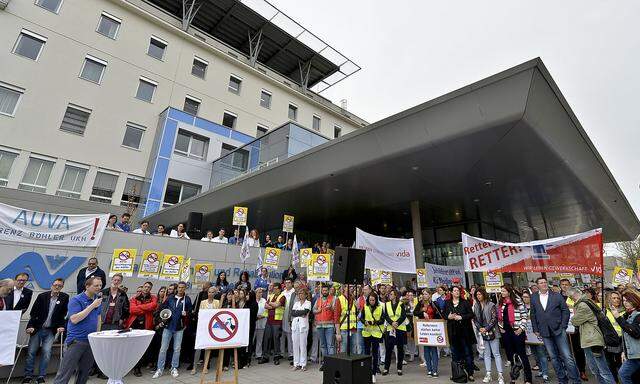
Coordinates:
348 265
343 369
194 225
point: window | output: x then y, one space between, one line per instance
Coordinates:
146 89
199 68
75 119
316 122
133 135
6 162
265 99
36 176
50 5
9 98
191 105
178 191
191 145
72 181
337 131
293 112
29 45
238 160
229 120
132 191
234 84
108 25
261 131
93 69
103 187
156 48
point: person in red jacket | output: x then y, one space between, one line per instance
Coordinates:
141 309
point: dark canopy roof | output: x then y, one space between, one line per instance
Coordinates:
231 22
506 150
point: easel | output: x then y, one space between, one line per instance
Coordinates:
207 356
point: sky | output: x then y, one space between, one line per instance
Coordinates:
414 51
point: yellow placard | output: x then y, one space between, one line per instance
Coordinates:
240 215
122 261
319 268
381 277
185 271
171 267
421 278
202 272
271 257
493 281
287 224
622 275
305 256
150 263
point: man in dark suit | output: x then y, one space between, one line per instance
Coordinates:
90 270
47 321
20 298
550 318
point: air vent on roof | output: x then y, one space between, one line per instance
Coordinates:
232 54
199 37
287 83
262 70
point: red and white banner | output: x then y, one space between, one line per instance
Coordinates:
579 253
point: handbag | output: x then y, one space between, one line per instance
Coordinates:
458 374
490 335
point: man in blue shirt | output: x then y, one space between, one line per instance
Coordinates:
124 222
180 305
83 314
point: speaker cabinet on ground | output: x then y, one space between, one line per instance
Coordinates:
347 369
348 265
194 225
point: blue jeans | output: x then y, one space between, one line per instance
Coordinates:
541 358
599 366
360 342
492 347
431 358
44 338
560 354
164 346
354 341
325 335
629 367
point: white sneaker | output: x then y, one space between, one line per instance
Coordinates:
174 372
423 364
373 378
487 378
157 374
500 378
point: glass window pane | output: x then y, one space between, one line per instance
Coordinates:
28 46
145 91
132 137
51 5
316 123
75 120
72 182
92 71
182 142
337 131
189 191
156 49
8 100
229 121
172 194
199 68
45 172
293 112
198 147
265 100
234 84
6 162
191 106
261 131
104 185
108 26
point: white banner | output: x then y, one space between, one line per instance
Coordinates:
444 274
33 227
387 253
222 328
9 324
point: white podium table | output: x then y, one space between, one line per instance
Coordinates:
117 353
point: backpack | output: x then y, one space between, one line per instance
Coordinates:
610 336
458 374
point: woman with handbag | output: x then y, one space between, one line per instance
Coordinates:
512 320
459 314
426 309
486 320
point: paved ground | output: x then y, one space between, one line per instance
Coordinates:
270 374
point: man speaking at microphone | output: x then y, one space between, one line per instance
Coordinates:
83 314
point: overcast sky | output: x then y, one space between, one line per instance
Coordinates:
414 51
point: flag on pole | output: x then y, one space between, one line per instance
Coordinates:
259 266
244 251
295 251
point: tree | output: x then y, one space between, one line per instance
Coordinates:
629 252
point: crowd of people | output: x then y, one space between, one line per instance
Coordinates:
299 322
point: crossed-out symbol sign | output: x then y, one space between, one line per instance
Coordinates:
204 269
223 326
124 255
152 257
321 260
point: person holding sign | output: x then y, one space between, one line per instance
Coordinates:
372 318
141 310
458 312
426 309
396 331
486 320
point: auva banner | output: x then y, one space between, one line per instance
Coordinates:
387 253
443 274
33 227
579 253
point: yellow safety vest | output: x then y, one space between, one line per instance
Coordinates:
395 315
372 330
279 314
343 315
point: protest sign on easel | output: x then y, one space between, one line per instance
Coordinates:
221 329
431 332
